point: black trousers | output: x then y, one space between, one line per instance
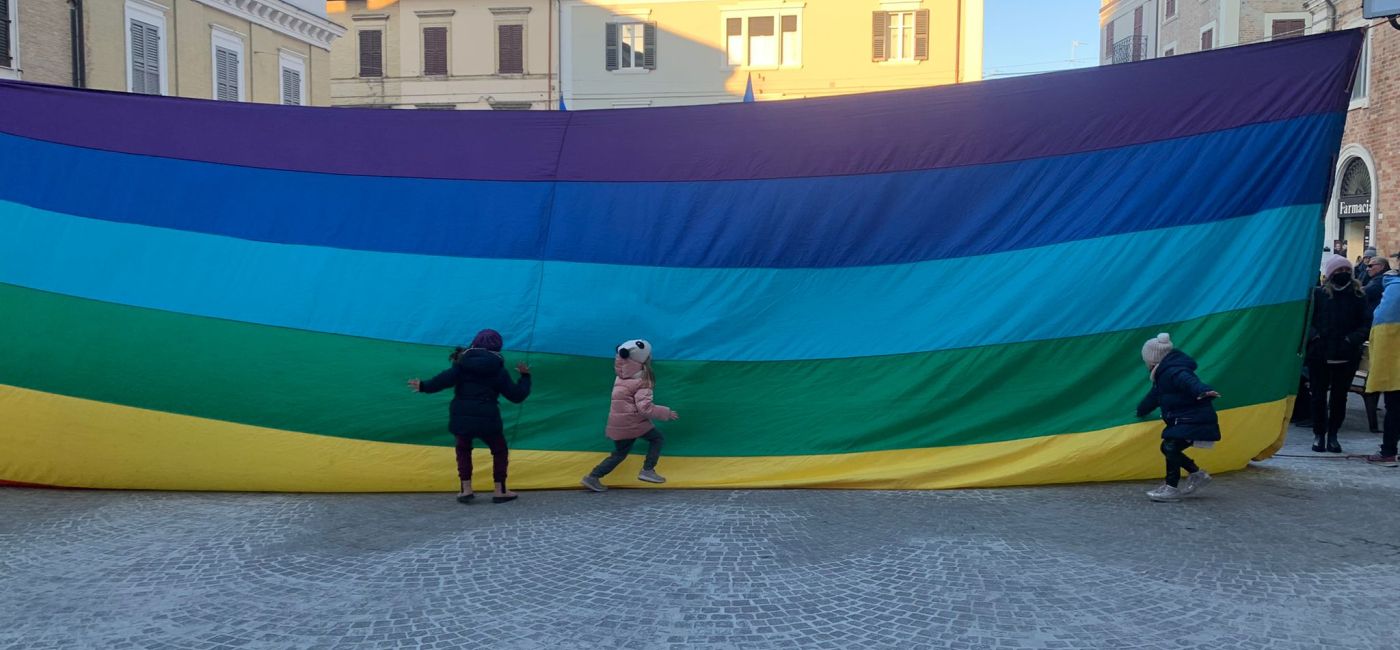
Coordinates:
1177 460
1330 384
1391 428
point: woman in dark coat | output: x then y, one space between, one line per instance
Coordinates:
1340 324
478 377
1187 410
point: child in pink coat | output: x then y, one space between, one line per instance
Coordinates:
631 415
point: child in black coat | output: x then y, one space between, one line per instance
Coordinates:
478 377
1186 408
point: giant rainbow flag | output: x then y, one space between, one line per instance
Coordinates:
931 288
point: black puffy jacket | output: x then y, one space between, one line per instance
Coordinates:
1180 394
1341 321
478 379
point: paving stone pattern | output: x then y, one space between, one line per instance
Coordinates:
1295 553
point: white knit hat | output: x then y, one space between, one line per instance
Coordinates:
638 350
1156 349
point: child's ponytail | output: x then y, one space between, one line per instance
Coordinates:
456 354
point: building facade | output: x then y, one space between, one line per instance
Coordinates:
1364 209
1365 206
1134 30
445 54
269 51
36 41
622 53
584 54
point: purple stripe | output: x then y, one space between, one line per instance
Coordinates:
927 128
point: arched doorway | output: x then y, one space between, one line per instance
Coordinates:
1353 209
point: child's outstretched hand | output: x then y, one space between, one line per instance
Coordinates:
674 416
522 368
416 385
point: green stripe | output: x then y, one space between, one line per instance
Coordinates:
354 388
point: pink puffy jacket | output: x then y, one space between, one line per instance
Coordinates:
632 406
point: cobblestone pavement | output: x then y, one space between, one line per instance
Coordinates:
1298 552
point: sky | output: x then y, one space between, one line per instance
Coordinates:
1025 36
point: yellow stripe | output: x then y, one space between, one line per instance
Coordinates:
1384 372
65 441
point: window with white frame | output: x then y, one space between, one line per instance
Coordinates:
763 39
145 48
630 46
1361 87
1169 9
1208 37
901 36
7 35
293 76
734 40
228 65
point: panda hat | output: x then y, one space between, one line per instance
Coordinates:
638 350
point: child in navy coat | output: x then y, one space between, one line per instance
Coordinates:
1186 408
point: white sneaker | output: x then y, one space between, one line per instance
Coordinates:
650 476
1195 481
1165 494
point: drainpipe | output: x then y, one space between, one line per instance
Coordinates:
549 76
1331 15
957 56
75 34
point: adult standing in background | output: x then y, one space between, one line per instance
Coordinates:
1340 325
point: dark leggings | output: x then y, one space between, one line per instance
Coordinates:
1177 460
495 439
1330 383
623 447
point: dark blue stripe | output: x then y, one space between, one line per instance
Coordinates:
784 223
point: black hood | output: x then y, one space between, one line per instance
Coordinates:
1176 359
477 362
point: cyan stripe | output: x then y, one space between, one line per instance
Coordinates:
1051 292
845 221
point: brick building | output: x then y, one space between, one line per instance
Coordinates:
1364 209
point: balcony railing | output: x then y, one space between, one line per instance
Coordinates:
1130 48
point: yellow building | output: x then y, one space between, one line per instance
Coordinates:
621 53
530 54
269 51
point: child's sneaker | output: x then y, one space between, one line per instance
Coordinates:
591 482
1165 494
1383 461
650 476
1194 482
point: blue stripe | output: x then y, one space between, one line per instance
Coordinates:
1058 291
789 223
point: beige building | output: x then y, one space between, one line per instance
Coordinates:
36 43
269 51
531 54
1134 30
1364 209
444 54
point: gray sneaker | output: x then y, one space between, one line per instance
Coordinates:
1195 481
1165 494
650 476
591 482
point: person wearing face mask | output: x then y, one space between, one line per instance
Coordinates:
1339 327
